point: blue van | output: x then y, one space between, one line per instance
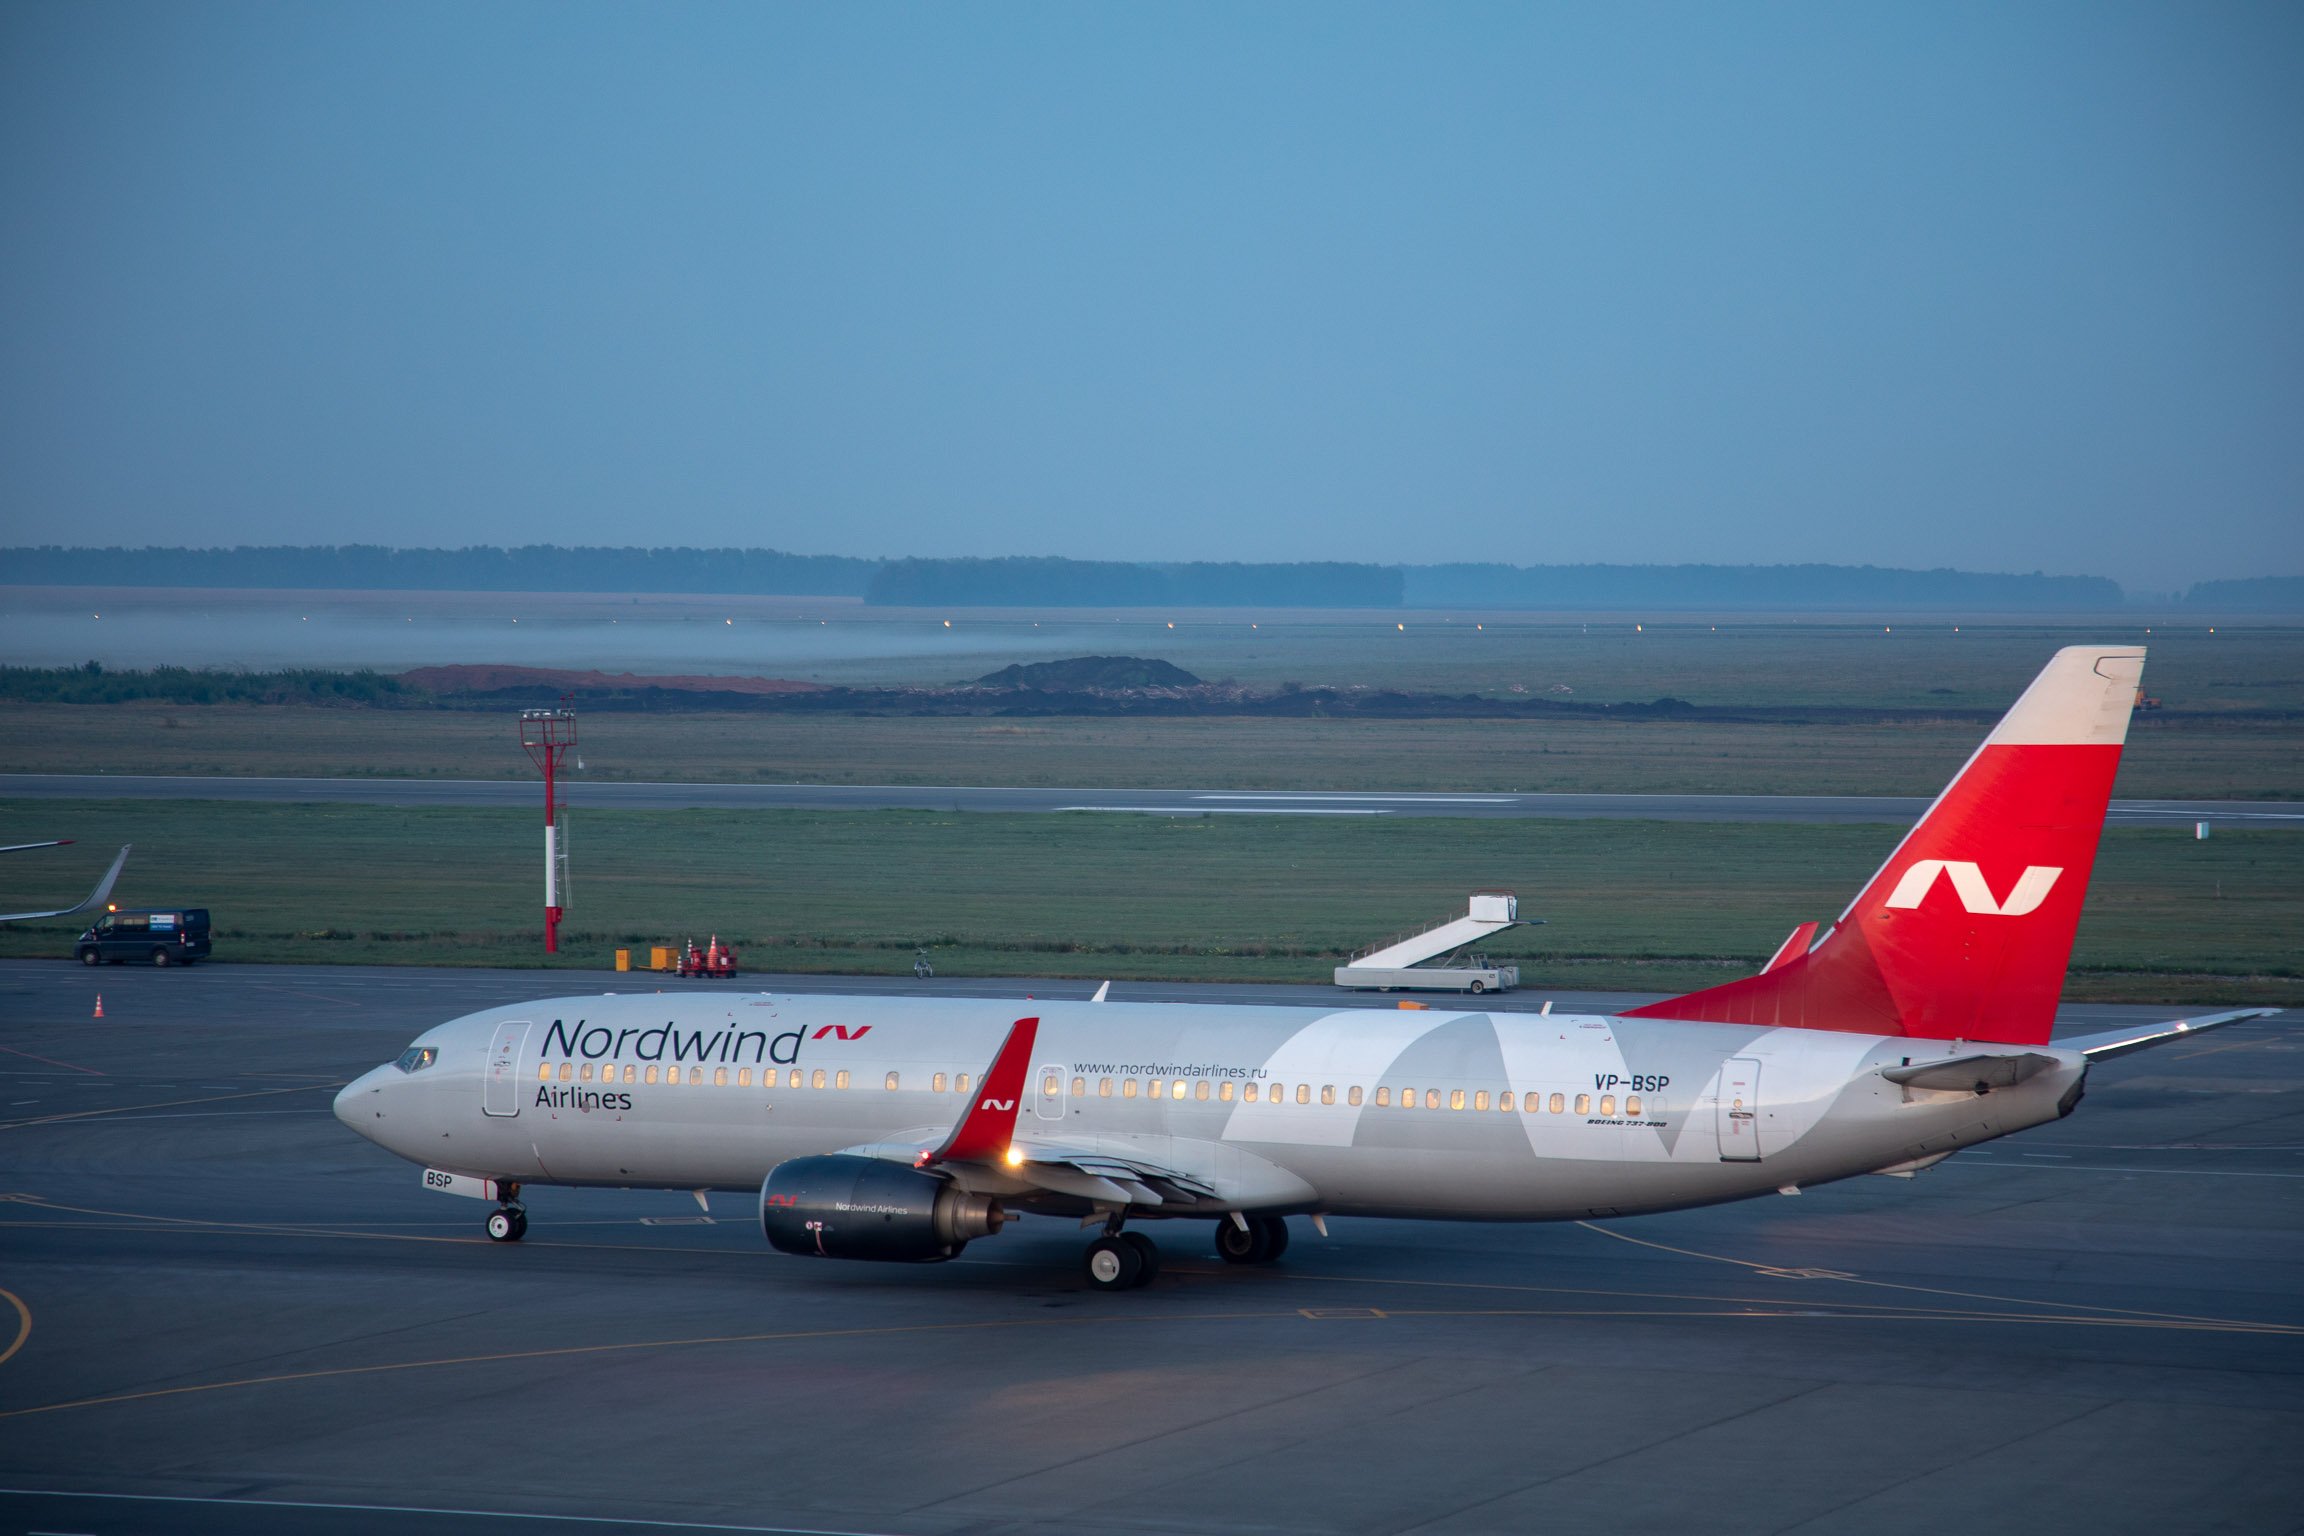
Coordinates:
154 935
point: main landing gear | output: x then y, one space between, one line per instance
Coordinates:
1264 1239
508 1223
1120 1261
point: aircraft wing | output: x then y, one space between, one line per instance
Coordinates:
95 897
987 1152
2119 1042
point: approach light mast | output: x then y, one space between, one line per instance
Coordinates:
547 735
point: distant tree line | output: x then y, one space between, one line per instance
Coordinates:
2258 594
479 568
1659 587
1023 581
1046 582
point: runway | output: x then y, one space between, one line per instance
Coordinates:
222 1312
609 795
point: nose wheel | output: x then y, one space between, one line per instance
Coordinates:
507 1224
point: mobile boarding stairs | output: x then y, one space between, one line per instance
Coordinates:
1397 964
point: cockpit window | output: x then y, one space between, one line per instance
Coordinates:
417 1057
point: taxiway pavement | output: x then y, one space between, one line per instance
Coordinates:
616 795
221 1311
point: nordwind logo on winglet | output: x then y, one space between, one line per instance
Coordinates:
1968 883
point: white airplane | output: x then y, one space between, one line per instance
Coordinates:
903 1128
95 897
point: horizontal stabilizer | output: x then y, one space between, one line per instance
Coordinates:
2119 1042
1971 1074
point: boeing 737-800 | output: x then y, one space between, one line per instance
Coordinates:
904 1128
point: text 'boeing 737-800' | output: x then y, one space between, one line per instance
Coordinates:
905 1128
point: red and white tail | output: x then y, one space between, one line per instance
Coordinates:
1966 931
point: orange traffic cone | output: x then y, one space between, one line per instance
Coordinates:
99 1005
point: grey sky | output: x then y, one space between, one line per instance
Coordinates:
1993 286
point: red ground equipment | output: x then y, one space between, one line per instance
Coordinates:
713 960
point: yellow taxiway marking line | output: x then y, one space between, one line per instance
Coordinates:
2110 1316
569 1350
1757 1312
129 1109
23 1325
2136 1313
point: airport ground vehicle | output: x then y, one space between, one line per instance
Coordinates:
1475 974
153 935
716 959
896 1128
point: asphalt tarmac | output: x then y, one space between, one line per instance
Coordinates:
220 1311
610 795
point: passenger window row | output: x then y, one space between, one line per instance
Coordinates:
722 1077
1479 1099
1197 1089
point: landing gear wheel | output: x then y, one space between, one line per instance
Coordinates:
1275 1237
507 1225
1147 1253
1113 1264
1253 1246
160 957
519 1225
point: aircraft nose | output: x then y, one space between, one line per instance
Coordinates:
349 1100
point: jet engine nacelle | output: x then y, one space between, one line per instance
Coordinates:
840 1207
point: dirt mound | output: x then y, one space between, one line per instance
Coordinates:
1091 674
503 679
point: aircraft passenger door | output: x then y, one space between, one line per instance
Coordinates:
1048 1092
502 1094
1739 1110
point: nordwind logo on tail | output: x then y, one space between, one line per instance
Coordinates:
1968 883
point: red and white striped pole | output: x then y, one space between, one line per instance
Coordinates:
551 859
545 734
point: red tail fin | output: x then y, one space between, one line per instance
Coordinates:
1966 931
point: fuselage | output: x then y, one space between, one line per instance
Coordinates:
1461 1115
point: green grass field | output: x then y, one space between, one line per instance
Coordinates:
1630 904
2181 759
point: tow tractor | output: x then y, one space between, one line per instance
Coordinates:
714 960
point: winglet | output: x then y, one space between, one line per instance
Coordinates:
989 1123
104 886
95 897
